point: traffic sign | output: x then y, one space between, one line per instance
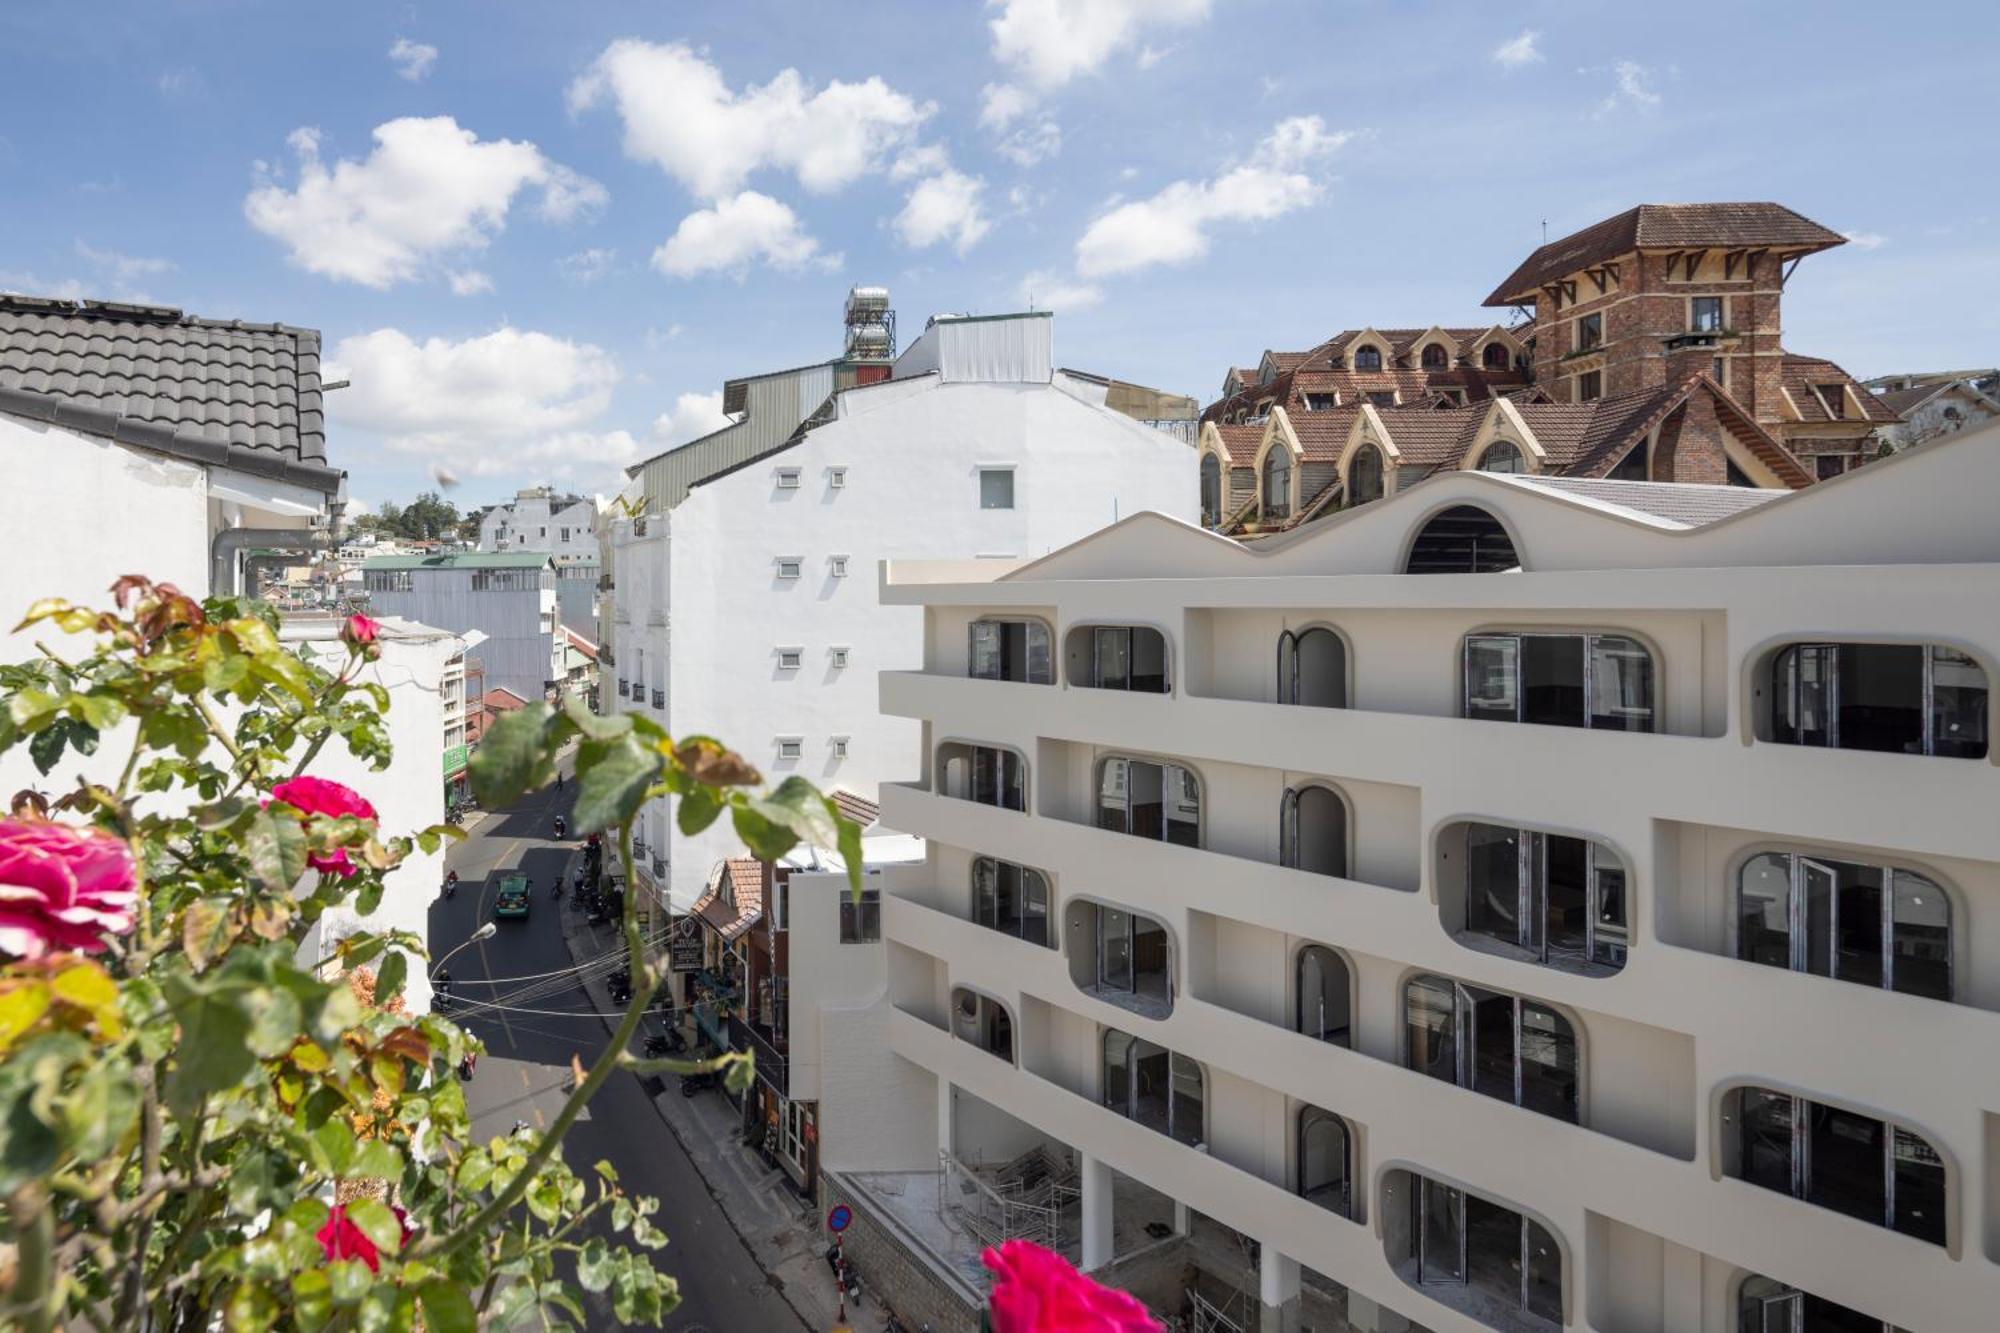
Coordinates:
838 1218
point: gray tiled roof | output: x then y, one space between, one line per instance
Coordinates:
244 396
1678 503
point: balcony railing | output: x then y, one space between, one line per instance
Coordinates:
772 1066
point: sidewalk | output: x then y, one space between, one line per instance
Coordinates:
781 1229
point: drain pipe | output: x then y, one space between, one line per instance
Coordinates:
230 542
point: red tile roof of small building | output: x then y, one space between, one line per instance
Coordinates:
1801 374
1666 227
1241 441
746 884
857 808
1322 435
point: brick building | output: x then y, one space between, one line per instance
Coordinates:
1664 291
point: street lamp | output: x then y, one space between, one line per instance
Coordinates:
485 932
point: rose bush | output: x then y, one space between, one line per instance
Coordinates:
201 1126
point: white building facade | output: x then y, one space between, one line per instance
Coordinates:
509 598
1594 944
564 526
749 612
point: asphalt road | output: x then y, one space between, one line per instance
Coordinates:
527 1061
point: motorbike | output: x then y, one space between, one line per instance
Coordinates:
693 1083
562 827
556 889
451 885
670 1042
843 1273
455 815
466 1067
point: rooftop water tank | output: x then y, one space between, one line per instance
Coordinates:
865 301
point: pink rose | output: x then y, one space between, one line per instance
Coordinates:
1036 1291
319 796
62 888
360 634
341 1239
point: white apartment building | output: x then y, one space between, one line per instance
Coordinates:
1607 941
747 609
564 526
508 598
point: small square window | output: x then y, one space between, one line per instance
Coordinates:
840 747
1590 386
836 477
836 565
838 657
996 488
789 566
791 747
788 478
1589 332
791 659
1705 314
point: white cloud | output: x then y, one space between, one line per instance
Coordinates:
1050 42
735 233
1150 56
1518 51
480 406
946 206
122 267
184 81
25 283
680 114
1171 227
692 416
597 456
1039 138
428 190
469 282
1052 291
1635 89
1000 104
1866 240
920 161
413 60
586 266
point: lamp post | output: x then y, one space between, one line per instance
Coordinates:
485 932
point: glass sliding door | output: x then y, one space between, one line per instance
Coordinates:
1114 948
1851 1163
1111 662
1493 677
1552 676
1440 1232
1897 698
1495 1044
1957 686
1871 925
1621 684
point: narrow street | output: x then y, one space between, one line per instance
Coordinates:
528 1054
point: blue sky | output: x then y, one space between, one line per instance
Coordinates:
539 236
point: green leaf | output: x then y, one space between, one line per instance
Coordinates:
251 1309
797 805
213 1051
22 1005
277 850
102 711
312 1297
374 1160
222 674
30 706
447 1308
206 931
276 1018
514 756
851 856
350 1280
612 777
389 981
333 1145
590 724
593 1265
377 1223
766 839
698 809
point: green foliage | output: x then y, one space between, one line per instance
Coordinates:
178 1112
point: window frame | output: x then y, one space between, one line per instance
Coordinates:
1696 324
788 478
791 747
1531 903
1002 754
1099 631
1310 1116
836 478
986 470
1587 332
1801 862
790 567
860 917
1277 466
1793 693
836 566
1023 915
1368 357
1589 386
1133 1045
1799 1157
1593 640
1380 476
1460 1275
1289 827
1441 361
839 744
1166 824
1031 623
837 657
1467 1062
791 659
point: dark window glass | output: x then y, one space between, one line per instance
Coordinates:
1493 881
1763 910
1549 1071
1187 1100
1322 1009
1368 358
1441 1214
1552 668
1463 539
1364 475
1544 1285
1435 357
1958 704
1919 1186
861 922
1846 1162
1112 658
1920 939
1881 697
1707 314
1493 1053
1766 1139
1566 888
1211 490
1323 1160
1589 332
1494 357
1431 1018
1493 1250
1277 482
1590 386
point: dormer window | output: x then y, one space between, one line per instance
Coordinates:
1368 358
1434 357
1834 396
1494 357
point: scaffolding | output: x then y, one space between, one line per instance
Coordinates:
1022 1199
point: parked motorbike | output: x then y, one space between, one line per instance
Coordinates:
451 884
455 815
670 1042
562 828
693 1083
843 1273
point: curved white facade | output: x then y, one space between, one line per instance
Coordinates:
1641 1194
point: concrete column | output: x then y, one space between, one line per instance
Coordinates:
1365 1316
946 1140
1280 1305
1097 1189
1183 1218
1680 1287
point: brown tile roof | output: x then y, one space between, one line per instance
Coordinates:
1241 441
1589 439
1323 434
1801 374
1901 401
1429 436
1665 227
746 884
857 808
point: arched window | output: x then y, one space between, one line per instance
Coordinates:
1873 925
1904 698
1161 1089
1463 539
1277 482
1326 1161
1839 1159
1312 668
1149 800
1126 958
983 773
1323 1008
1368 358
1483 1257
983 1021
1602 681
1211 490
1312 824
1435 357
1011 899
1496 1044
1560 900
1364 475
1502 456
1768 1306
1494 357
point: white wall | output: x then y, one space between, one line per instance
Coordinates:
912 454
518 653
